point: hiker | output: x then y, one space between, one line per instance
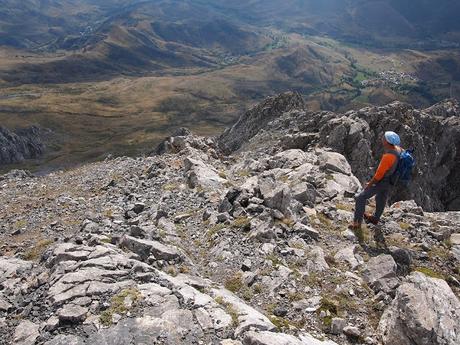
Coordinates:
380 185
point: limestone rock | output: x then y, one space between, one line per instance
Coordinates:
201 174
380 273
72 313
424 312
26 333
145 248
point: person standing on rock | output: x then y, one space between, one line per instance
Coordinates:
380 185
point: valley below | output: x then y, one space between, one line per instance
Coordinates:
93 116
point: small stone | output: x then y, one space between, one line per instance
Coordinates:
351 331
223 217
268 248
4 304
246 265
337 325
26 333
455 239
52 323
72 313
249 278
280 311
306 231
138 207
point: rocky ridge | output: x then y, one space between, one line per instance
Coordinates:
195 247
23 144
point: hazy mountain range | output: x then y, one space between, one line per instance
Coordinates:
48 24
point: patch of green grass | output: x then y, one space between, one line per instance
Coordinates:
295 296
330 177
257 288
276 261
429 272
36 251
118 305
344 207
234 283
362 234
20 224
247 293
170 187
330 305
279 322
215 229
404 226
242 223
229 309
243 173
439 252
312 279
289 222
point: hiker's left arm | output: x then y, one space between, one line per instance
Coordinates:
385 164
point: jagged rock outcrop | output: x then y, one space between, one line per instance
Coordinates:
20 145
424 312
434 133
256 118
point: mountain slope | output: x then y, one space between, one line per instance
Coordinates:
193 246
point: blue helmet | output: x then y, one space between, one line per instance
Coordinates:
392 138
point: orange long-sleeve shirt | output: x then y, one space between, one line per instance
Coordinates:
386 163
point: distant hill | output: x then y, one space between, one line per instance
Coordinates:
70 24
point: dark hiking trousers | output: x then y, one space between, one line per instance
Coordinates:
381 191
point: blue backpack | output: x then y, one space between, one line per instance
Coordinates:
404 169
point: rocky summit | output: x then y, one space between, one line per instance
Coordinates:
240 239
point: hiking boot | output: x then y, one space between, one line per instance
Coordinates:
354 226
370 219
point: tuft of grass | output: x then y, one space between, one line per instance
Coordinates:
35 252
289 222
312 279
170 187
234 283
362 234
229 309
242 223
295 296
243 173
215 229
344 207
329 177
276 261
247 293
257 288
222 174
279 322
20 224
172 271
118 306
439 252
429 272
404 226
